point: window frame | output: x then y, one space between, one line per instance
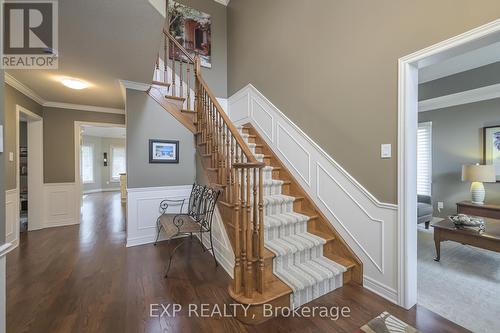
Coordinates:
112 158
428 125
92 153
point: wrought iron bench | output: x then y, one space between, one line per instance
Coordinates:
198 218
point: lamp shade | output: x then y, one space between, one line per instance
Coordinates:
478 173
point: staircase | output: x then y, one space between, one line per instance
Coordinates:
286 252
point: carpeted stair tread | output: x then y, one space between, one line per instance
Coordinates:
297 254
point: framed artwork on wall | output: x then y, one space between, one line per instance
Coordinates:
491 144
163 151
193 30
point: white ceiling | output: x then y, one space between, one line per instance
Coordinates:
461 63
104 132
99 42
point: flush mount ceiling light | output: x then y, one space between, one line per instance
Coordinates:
74 83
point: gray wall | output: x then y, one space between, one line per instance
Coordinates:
471 79
102 174
59 140
216 76
23 134
2 165
456 140
13 98
332 67
146 120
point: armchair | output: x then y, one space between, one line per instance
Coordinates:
424 209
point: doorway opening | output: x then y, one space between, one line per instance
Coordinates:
100 152
418 135
29 173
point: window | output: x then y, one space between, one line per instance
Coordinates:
118 162
87 163
424 158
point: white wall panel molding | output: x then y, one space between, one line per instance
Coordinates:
366 224
300 156
143 210
60 207
223 249
12 217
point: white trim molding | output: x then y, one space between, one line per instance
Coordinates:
407 143
14 83
81 107
365 223
223 2
27 91
463 97
135 85
99 190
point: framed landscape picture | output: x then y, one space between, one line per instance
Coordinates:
193 30
163 151
492 148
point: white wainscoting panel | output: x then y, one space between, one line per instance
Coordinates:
367 225
60 208
12 217
223 249
143 210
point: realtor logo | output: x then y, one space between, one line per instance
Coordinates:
29 35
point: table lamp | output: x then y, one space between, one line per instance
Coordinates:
477 174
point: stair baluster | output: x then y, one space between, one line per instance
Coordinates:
236 168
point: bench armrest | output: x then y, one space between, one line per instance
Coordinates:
164 204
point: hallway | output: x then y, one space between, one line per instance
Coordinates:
84 279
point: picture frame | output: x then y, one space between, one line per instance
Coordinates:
491 148
163 151
192 28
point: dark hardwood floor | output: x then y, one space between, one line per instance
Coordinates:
84 279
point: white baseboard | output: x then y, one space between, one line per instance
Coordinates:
99 190
367 225
380 289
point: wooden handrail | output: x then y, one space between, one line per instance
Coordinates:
234 131
224 150
178 45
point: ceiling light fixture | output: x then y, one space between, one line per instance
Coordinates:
74 83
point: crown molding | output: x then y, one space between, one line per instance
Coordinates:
14 83
464 97
82 107
135 85
223 2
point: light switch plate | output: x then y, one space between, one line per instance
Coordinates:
11 157
386 150
440 205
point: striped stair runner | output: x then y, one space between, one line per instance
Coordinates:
299 260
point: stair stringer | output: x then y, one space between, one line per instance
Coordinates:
158 95
368 226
